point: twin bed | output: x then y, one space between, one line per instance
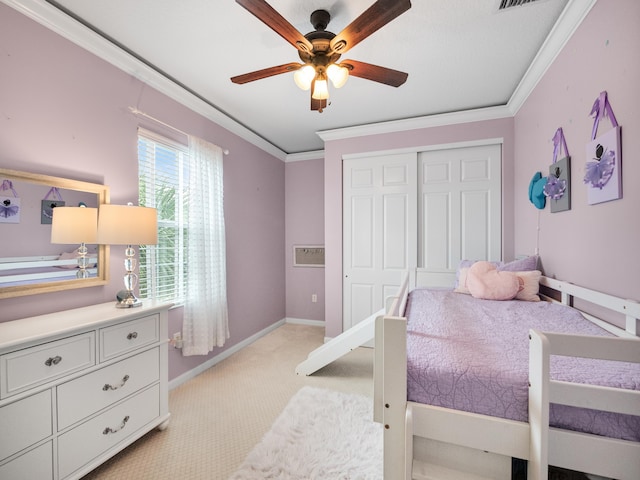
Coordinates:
464 385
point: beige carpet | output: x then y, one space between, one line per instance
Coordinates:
219 416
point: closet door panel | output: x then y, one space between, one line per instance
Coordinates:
460 210
475 221
380 205
362 230
394 244
436 242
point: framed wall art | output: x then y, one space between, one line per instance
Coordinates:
603 169
558 186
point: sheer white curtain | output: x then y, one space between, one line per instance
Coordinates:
205 323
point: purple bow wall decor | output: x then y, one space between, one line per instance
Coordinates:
603 173
9 205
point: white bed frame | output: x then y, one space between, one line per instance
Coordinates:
38 262
491 439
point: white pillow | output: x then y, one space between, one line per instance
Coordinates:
461 287
68 256
530 285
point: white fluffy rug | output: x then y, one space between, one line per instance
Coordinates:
321 434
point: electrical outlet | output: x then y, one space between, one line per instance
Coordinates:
314 298
176 340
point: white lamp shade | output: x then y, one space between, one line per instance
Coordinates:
338 75
74 225
320 90
304 77
127 225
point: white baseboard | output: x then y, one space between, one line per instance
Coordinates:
176 382
303 321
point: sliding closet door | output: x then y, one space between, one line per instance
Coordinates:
459 210
428 210
379 215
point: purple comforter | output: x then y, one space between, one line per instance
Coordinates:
473 355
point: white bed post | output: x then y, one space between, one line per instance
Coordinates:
408 443
394 394
538 406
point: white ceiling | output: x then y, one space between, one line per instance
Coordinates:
459 54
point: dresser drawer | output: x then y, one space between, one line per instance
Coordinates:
125 337
27 368
86 395
87 441
37 463
24 423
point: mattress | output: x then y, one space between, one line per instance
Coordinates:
473 355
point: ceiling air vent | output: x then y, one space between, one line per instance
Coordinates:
513 3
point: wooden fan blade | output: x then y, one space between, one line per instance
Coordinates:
385 75
265 72
272 19
374 18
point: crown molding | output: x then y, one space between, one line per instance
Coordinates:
69 28
429 121
299 157
568 22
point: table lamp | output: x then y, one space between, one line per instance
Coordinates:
75 225
127 225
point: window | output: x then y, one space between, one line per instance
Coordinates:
185 185
163 184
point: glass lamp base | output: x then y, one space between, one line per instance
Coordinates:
126 299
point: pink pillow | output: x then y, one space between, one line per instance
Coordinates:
486 282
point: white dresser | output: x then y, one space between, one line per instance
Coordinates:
78 386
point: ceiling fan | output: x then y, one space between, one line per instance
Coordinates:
320 49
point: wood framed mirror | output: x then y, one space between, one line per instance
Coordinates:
29 262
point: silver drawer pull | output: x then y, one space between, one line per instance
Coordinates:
109 430
111 387
132 335
53 360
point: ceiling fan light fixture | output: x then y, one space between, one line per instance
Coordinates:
320 89
320 49
304 77
338 74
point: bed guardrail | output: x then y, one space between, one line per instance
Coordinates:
630 309
546 448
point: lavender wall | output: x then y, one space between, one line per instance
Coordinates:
64 112
305 226
335 149
595 246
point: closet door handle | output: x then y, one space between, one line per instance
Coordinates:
109 430
132 335
53 360
116 387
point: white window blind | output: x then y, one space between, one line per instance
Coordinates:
163 180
